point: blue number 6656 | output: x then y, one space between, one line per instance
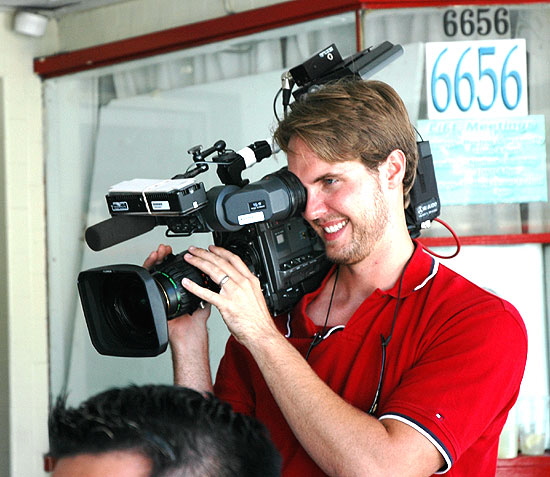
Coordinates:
463 100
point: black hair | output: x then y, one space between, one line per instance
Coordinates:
181 431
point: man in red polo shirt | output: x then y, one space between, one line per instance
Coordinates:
396 365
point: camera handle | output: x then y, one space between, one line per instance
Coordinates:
198 157
230 163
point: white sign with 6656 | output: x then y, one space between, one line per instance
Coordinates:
476 79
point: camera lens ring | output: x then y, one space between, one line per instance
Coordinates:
168 277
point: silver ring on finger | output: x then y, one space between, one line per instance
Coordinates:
223 281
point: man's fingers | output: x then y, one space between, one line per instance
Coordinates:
214 266
203 293
230 257
157 256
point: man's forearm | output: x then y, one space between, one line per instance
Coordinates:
192 369
340 438
190 356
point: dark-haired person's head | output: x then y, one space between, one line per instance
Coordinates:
158 431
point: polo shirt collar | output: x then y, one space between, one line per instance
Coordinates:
420 269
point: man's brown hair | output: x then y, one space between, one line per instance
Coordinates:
353 120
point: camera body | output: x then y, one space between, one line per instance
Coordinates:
287 256
127 307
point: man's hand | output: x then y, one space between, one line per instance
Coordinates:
240 299
182 326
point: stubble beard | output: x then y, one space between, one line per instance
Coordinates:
367 230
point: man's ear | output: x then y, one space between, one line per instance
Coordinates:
394 168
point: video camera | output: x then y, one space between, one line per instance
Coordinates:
126 307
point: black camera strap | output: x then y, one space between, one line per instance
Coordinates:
324 333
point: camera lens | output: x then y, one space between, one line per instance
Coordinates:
132 306
126 306
168 276
127 302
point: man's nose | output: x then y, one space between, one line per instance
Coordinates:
315 207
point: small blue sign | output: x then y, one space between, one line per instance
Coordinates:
488 161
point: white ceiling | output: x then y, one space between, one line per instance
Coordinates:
55 7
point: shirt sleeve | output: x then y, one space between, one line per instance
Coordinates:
233 382
466 380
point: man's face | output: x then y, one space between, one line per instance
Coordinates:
107 464
345 204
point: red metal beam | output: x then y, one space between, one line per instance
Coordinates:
195 34
513 239
219 29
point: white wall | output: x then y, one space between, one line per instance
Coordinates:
23 320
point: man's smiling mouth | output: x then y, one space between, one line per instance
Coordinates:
336 227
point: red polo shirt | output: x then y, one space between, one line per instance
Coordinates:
454 366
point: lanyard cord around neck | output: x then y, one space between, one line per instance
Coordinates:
320 335
386 341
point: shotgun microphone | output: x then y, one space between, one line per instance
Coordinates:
118 229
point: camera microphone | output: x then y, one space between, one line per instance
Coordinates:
117 229
255 152
287 84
